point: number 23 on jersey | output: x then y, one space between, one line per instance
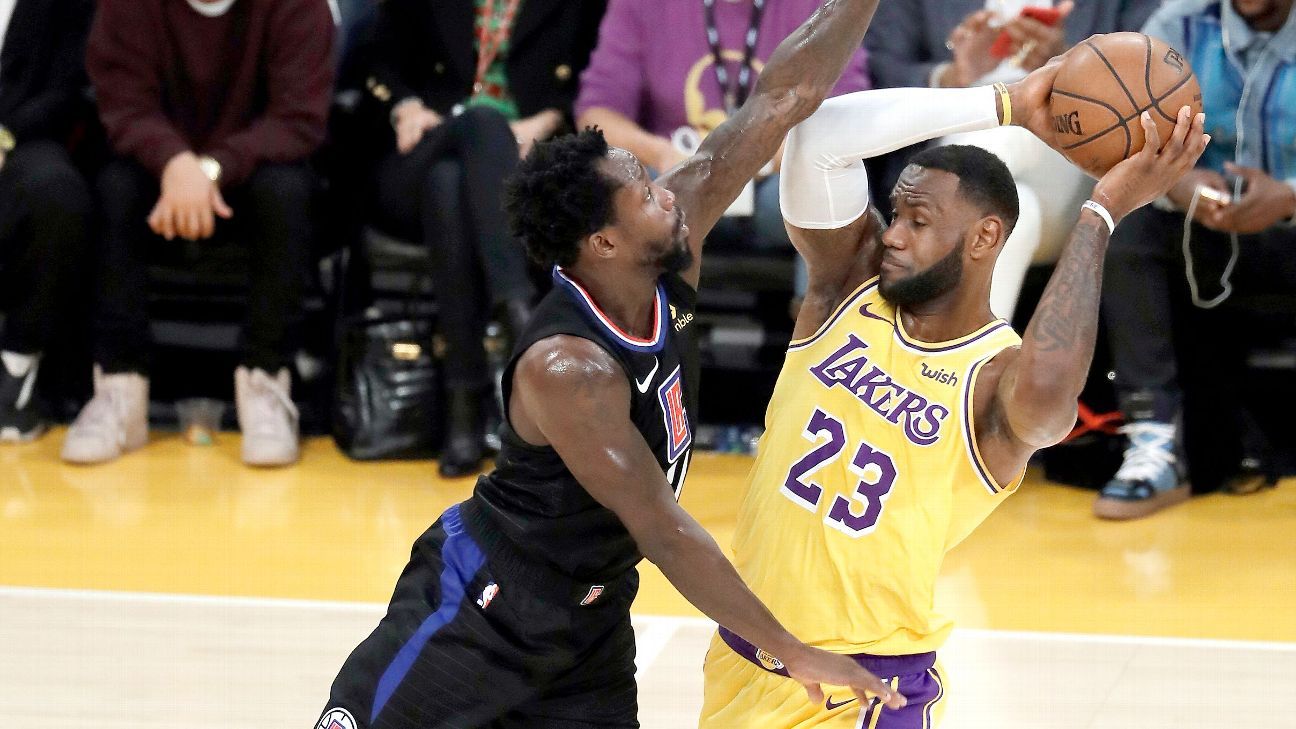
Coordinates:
854 514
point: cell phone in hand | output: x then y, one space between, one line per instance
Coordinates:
1003 44
1219 197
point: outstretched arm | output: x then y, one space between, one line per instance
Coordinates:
798 77
824 188
572 395
1036 394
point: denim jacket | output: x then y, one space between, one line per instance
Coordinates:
1250 111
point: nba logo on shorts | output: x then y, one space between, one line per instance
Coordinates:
678 434
336 719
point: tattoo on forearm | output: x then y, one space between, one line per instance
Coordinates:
1067 317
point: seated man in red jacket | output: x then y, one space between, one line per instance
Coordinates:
212 108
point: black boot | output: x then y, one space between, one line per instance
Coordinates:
463 450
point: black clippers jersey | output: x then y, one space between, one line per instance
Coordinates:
531 497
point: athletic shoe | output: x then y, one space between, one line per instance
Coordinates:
20 419
1151 476
114 422
267 417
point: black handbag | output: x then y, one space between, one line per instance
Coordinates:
388 403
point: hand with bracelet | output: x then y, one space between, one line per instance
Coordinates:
1135 182
190 198
1152 171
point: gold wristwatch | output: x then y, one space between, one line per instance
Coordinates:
7 141
210 167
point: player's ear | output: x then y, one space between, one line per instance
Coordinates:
987 236
600 244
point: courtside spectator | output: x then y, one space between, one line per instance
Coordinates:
212 108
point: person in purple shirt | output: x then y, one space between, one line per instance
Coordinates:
654 88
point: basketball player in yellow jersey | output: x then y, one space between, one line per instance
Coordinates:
905 412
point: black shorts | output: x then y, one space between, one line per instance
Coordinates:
472 641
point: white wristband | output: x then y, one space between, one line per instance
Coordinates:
1102 213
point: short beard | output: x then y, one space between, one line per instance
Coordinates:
676 259
924 286
676 253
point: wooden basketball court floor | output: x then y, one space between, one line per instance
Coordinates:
176 588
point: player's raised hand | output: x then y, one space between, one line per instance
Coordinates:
1153 170
813 667
1031 100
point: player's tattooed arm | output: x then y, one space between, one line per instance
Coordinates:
798 77
572 395
1038 389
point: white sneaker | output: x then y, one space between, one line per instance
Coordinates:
267 417
115 421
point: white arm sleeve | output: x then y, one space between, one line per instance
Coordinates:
823 183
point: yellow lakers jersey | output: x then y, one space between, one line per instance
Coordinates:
867 474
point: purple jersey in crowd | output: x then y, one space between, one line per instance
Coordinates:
653 62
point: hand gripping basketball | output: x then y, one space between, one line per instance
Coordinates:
1154 169
1104 86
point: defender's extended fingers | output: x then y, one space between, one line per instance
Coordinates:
879 690
814 691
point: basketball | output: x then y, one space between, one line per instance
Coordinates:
1104 85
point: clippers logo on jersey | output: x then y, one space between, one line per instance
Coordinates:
679 435
336 718
874 387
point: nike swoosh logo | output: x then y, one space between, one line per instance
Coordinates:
643 386
24 396
829 705
864 311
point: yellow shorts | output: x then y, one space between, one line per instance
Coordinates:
740 694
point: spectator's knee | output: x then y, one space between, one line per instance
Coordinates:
443 178
50 182
283 184
483 117
117 179
483 127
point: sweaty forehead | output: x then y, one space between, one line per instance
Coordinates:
921 184
622 166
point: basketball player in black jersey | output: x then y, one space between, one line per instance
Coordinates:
514 608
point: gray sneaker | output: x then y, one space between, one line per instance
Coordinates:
115 421
267 417
1151 476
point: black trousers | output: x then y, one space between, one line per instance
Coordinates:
448 193
45 208
272 217
1152 326
463 645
